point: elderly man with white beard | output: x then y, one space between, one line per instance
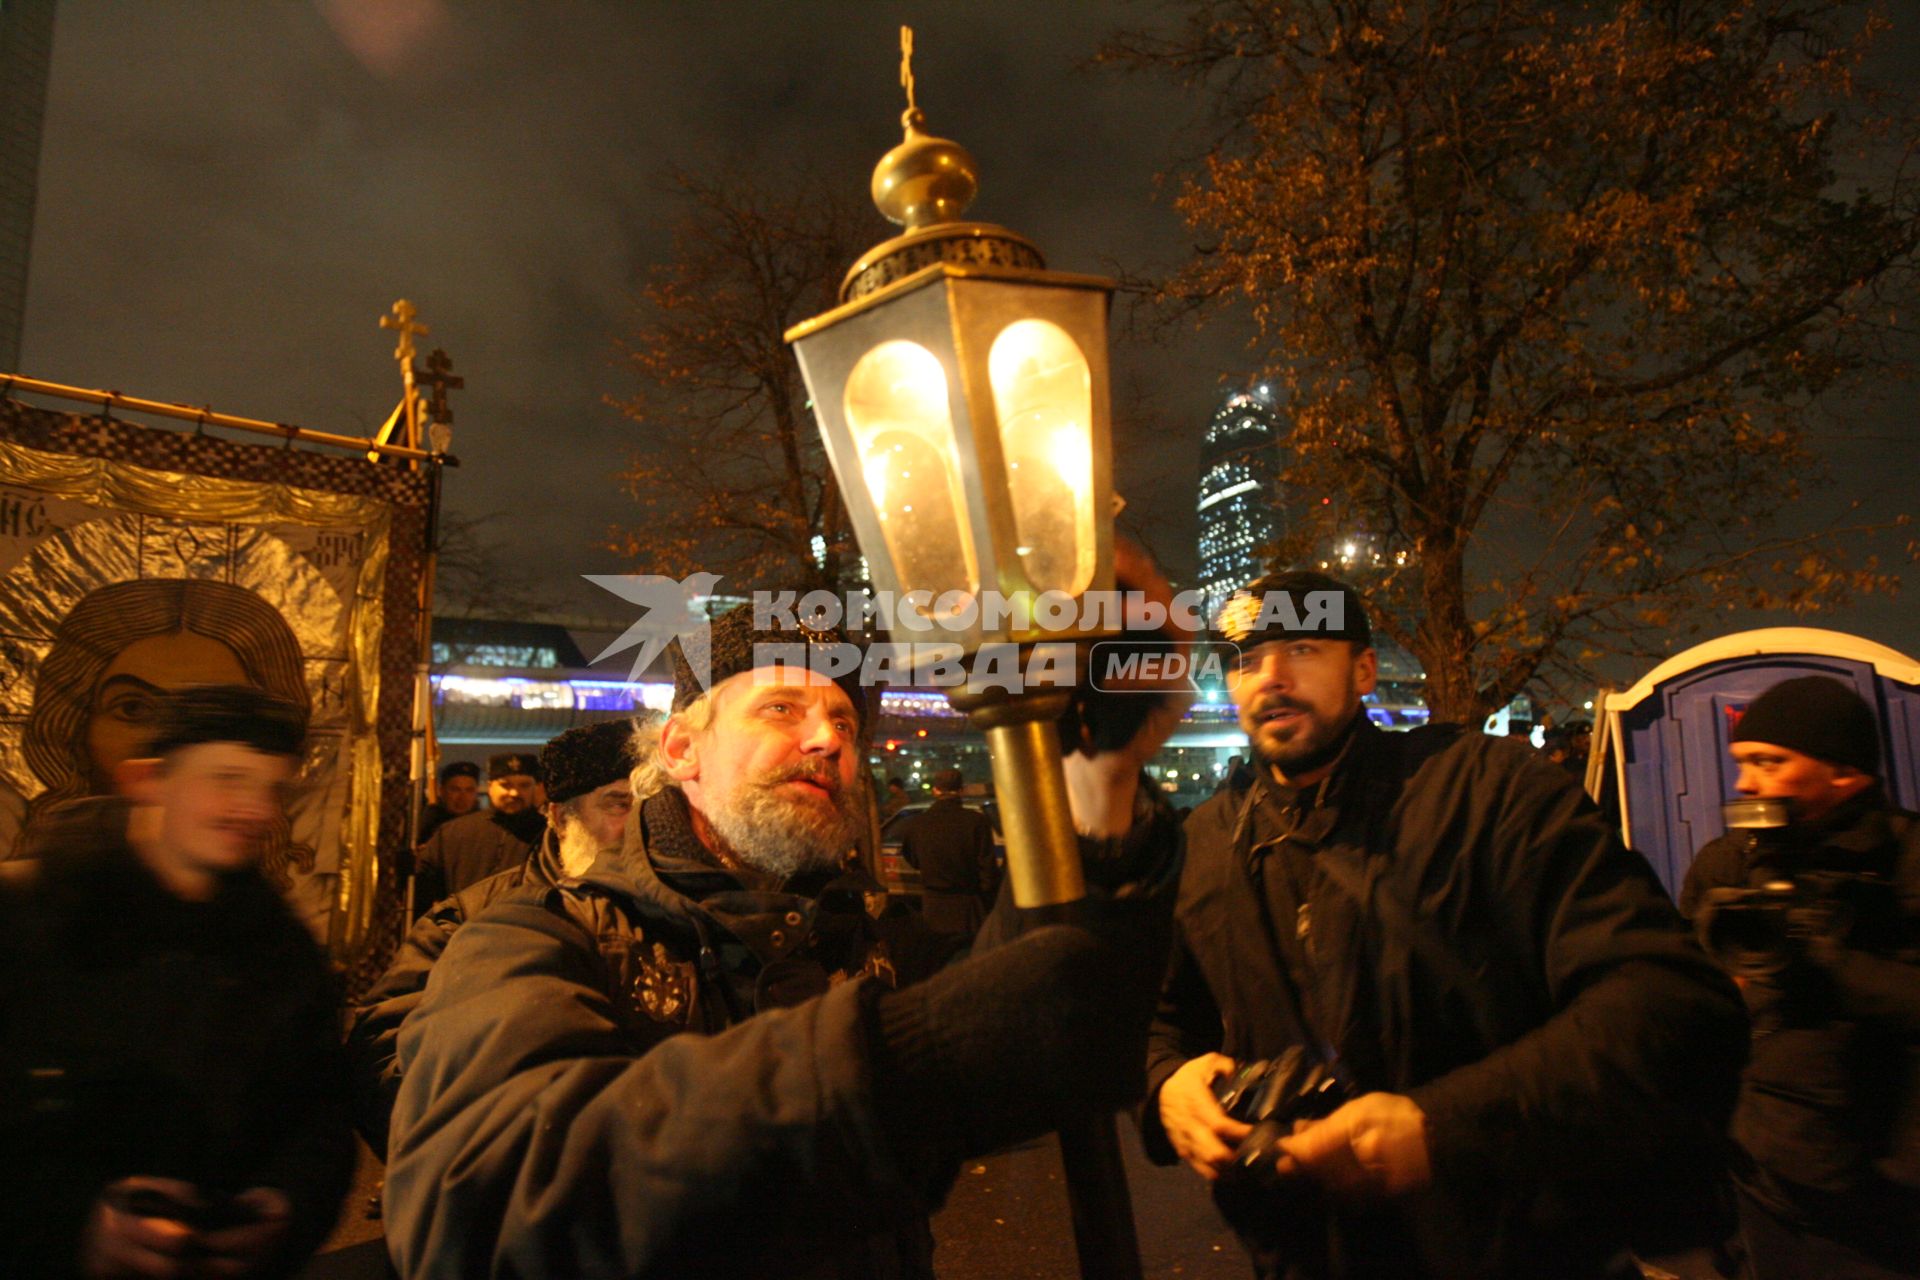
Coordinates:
589 795
701 1057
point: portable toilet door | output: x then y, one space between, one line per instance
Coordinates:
1668 734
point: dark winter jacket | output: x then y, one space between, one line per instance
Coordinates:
654 1071
1830 1103
466 850
145 1035
1457 924
376 1016
952 846
433 817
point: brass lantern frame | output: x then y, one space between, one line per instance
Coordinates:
956 311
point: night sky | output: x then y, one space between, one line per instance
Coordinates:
232 193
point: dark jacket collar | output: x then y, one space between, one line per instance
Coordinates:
1310 813
524 827
1855 828
545 863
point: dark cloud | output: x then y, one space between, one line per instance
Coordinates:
232 193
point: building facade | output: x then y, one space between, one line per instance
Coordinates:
1238 494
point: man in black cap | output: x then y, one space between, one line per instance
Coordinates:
1522 1048
170 1073
459 795
590 793
467 850
1829 1112
952 846
701 1059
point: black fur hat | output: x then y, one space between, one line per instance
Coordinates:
729 643
509 763
1246 620
459 769
587 758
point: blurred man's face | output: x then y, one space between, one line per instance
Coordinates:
1295 695
515 793
460 794
216 804
1815 787
775 775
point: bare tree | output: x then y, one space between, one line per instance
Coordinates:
727 469
1550 285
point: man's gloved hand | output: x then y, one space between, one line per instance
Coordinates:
1007 1044
1110 733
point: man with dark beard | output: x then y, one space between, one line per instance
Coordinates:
699 1058
1530 1062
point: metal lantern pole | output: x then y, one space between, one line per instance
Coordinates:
961 389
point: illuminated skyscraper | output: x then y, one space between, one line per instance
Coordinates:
1238 473
1241 510
26 49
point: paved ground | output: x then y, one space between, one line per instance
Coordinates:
1007 1219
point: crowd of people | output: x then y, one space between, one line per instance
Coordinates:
1404 1001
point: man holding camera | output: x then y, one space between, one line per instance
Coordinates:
1495 1051
172 1095
1816 911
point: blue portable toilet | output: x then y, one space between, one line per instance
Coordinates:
1665 739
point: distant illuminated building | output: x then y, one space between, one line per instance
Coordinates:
1238 470
26 49
1241 510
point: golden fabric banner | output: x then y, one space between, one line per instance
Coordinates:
118 581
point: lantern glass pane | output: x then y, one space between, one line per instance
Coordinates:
897 413
1043 395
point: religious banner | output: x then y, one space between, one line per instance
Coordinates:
138 559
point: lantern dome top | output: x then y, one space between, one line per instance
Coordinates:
925 179
924 185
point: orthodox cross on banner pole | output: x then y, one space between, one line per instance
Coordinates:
407 413
438 375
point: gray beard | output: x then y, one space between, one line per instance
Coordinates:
781 837
578 848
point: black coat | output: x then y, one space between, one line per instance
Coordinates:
1481 941
658 1071
140 1034
1830 1102
374 1030
952 846
466 850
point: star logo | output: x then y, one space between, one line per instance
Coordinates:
1239 616
666 604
